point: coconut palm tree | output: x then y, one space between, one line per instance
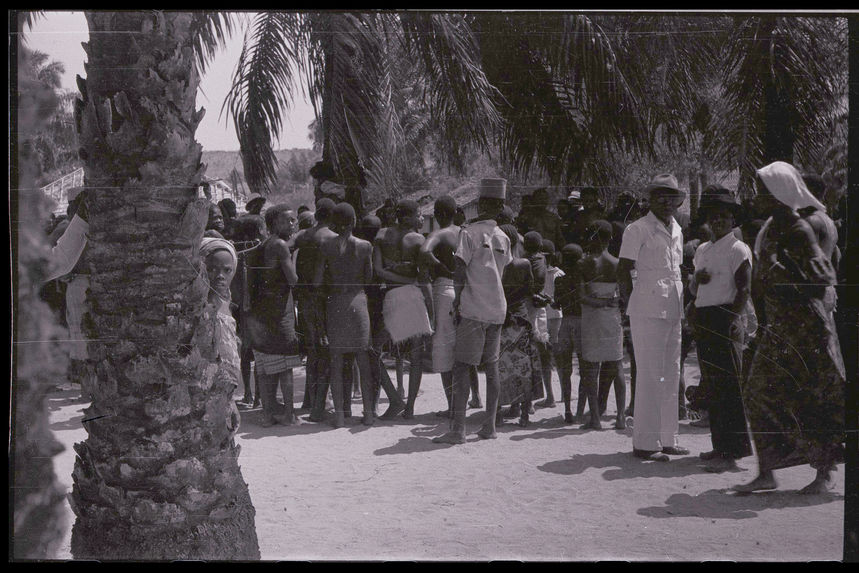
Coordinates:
157 476
783 83
360 72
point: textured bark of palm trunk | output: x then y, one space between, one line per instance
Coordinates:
157 476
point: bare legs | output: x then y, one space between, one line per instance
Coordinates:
493 392
546 367
447 385
475 388
246 358
416 370
269 384
590 383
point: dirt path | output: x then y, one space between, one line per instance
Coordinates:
546 492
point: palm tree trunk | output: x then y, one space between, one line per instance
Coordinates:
779 132
157 476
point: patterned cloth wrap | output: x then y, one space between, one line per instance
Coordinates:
405 314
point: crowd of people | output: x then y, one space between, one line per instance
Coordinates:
517 296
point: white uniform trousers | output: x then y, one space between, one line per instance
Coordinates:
657 360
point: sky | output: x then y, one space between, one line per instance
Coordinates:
59 34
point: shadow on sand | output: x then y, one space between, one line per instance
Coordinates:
421 439
725 504
625 466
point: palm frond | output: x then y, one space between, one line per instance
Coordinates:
210 31
262 87
460 98
778 66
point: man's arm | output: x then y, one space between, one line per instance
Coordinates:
624 279
286 263
427 256
743 281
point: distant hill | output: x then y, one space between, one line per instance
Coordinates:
219 164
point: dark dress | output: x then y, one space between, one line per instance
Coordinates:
794 395
519 365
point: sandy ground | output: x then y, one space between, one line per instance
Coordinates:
546 492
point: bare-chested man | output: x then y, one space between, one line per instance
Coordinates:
310 310
395 262
343 269
437 257
273 331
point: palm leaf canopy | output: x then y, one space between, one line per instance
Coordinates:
567 102
359 70
783 80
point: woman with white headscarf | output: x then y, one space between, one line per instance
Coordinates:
794 394
221 260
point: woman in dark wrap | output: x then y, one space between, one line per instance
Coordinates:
794 394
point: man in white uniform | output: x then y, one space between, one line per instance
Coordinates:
653 245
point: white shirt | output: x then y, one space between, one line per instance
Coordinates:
721 259
70 246
485 250
657 251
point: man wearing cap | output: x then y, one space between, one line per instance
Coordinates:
653 246
479 307
407 304
723 273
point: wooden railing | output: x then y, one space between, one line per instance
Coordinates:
58 190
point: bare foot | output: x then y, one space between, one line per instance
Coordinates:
286 419
256 403
368 419
316 417
339 420
393 411
443 414
409 413
821 484
620 423
568 418
720 464
248 399
511 412
592 425
523 421
268 421
760 483
475 403
449 438
485 434
547 403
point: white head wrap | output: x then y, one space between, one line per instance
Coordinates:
786 184
212 244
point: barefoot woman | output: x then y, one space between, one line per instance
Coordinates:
794 395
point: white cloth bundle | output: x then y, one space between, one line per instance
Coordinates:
405 313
